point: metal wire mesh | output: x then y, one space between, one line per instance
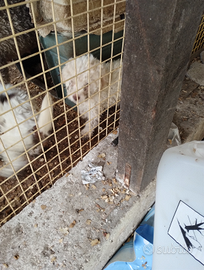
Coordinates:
199 41
31 159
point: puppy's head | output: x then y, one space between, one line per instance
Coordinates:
81 77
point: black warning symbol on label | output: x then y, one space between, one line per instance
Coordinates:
187 229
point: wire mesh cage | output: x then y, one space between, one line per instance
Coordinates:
60 70
199 41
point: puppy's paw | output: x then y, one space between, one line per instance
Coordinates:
86 132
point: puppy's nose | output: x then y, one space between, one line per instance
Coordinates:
75 97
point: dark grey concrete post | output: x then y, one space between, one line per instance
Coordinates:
158 44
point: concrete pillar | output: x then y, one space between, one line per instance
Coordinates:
159 39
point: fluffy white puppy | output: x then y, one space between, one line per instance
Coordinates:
93 86
12 147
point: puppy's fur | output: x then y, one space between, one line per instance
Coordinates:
87 84
10 133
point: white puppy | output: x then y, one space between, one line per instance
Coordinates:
11 135
93 86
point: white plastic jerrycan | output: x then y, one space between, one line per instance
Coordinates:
179 209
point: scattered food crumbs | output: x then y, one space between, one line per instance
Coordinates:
132 193
64 230
95 242
111 198
115 191
102 155
129 238
67 174
110 202
72 224
43 207
100 208
61 240
79 210
88 222
106 235
104 197
115 132
93 186
35 225
110 182
53 259
5 265
127 197
144 265
86 186
114 181
96 229
16 257
142 258
108 163
103 189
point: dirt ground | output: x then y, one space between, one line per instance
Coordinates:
61 153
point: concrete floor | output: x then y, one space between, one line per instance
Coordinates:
74 226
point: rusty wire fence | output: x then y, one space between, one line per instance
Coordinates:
60 88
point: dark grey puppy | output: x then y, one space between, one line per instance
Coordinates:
27 43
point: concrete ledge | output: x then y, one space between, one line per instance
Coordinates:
73 226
